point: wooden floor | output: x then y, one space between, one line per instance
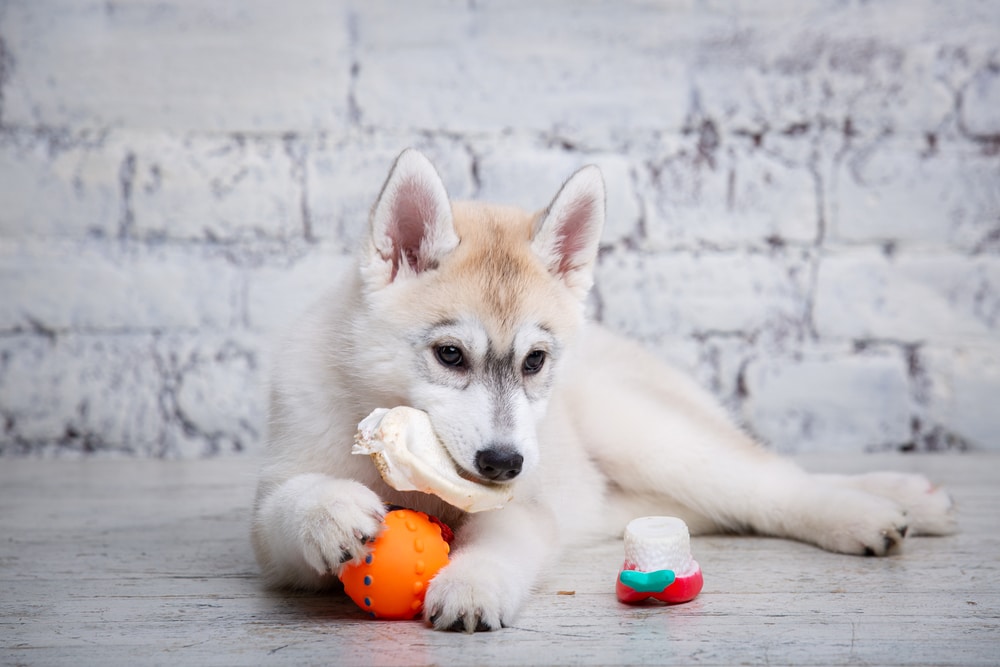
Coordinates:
148 562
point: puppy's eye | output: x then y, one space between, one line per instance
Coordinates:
534 362
450 355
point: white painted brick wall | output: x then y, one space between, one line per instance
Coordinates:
67 286
829 398
732 196
214 66
58 186
804 198
919 194
692 294
218 188
917 298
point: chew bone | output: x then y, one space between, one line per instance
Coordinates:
409 456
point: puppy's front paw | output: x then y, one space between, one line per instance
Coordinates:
336 520
465 597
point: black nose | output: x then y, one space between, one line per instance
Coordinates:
500 464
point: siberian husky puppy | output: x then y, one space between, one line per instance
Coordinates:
474 313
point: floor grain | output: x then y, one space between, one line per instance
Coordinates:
148 562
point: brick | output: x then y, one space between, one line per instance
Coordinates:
715 361
61 287
678 294
217 188
530 178
887 84
251 66
494 66
776 66
980 101
863 294
59 185
343 186
896 191
961 397
79 395
728 195
278 294
829 401
131 395
215 396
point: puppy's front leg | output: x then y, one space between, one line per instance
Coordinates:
495 562
307 527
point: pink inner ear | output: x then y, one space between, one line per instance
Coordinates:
574 232
412 213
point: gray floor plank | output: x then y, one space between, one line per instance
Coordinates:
126 562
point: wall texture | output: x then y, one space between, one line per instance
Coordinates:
804 197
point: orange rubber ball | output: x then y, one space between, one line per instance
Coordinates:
391 582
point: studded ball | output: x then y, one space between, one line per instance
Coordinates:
392 580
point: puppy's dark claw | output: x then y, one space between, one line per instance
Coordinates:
460 624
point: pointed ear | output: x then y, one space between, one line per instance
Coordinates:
568 231
411 223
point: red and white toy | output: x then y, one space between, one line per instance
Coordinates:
658 562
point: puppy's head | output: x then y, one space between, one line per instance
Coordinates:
474 305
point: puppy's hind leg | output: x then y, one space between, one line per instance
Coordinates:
655 433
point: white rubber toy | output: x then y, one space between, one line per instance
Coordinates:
659 543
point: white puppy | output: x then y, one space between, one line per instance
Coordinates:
474 314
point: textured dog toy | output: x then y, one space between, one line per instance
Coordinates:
409 456
658 562
390 583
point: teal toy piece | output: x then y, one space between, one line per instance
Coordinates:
647 582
